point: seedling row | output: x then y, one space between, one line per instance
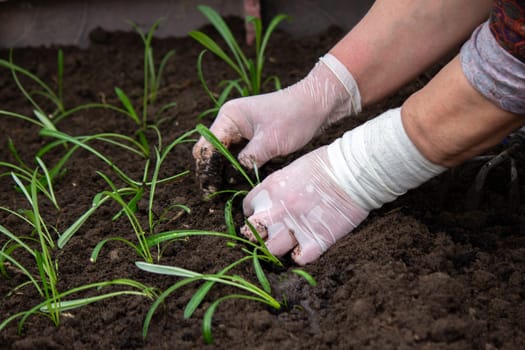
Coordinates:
128 197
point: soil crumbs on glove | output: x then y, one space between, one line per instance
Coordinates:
422 272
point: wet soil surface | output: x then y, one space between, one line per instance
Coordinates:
421 272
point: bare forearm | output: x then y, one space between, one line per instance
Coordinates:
397 40
449 121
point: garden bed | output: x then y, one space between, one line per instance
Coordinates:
422 272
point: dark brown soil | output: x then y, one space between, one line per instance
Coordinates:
422 272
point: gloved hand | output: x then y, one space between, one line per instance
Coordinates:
301 206
325 194
281 122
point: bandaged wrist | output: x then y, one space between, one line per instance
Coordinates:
346 79
377 162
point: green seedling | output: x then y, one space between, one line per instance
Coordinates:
260 293
129 211
41 121
47 309
255 292
44 89
44 183
47 119
72 144
249 71
136 191
98 201
152 79
14 243
82 143
227 86
47 265
51 119
257 253
152 74
46 282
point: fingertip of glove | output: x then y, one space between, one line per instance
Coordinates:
202 149
303 256
247 161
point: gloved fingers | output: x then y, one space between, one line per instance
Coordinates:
258 199
261 199
258 225
280 239
261 148
262 220
305 254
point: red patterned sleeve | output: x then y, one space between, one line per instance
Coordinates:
507 24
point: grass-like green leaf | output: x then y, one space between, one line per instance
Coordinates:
160 300
208 315
225 32
96 251
49 181
189 276
228 212
141 247
82 143
97 202
211 45
22 117
201 293
152 73
259 272
248 70
136 288
45 91
309 278
126 102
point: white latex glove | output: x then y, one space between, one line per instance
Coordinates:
324 195
301 205
281 122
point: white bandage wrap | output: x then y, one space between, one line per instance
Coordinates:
346 78
377 162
